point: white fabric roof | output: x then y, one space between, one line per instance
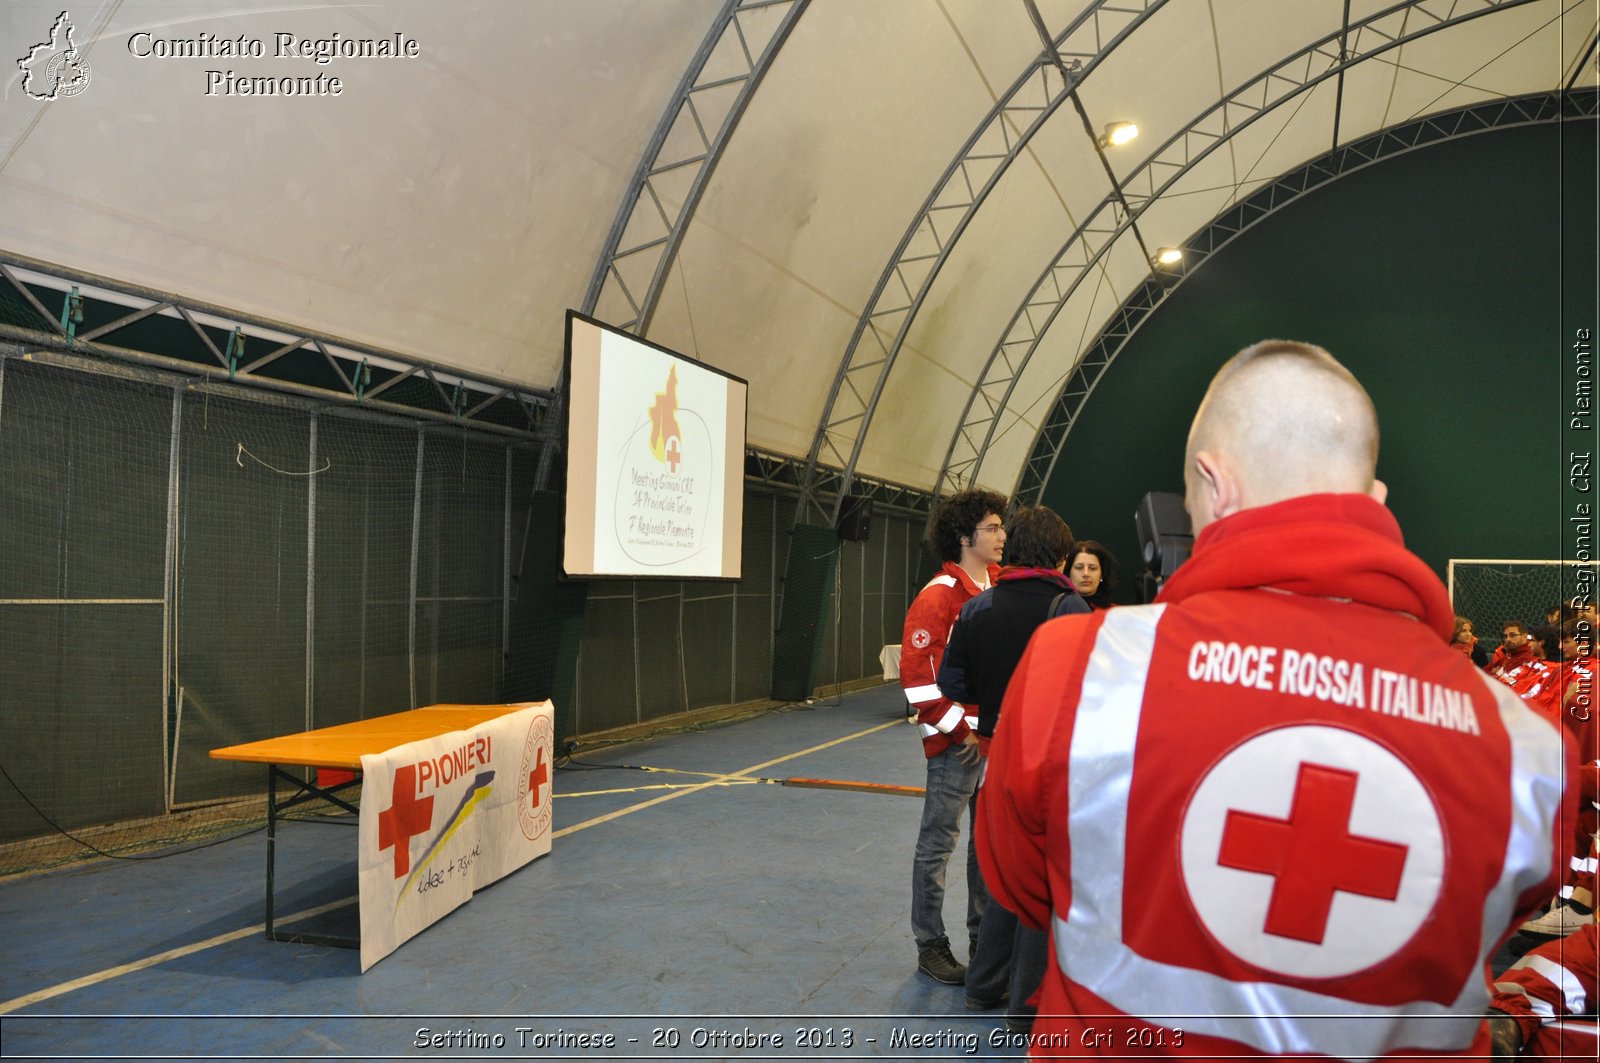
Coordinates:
454 205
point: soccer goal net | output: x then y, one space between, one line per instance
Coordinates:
1491 593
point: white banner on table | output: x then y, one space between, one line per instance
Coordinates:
443 817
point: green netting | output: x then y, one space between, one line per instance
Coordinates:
187 564
1493 593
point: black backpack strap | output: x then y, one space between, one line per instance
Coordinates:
1067 598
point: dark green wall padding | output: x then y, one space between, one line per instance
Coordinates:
808 591
546 619
1451 280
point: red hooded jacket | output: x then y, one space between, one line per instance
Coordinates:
933 612
1353 814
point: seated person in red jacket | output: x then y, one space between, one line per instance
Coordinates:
1515 648
1544 1004
1569 695
1532 680
1567 686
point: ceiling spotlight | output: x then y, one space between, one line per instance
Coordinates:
1118 133
1168 256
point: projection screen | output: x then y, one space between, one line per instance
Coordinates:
655 460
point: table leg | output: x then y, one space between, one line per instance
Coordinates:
272 840
303 793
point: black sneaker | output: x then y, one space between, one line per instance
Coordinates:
938 963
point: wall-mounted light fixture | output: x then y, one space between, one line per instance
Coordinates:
1117 134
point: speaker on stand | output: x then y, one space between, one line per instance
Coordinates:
1165 539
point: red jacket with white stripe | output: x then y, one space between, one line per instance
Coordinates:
1353 815
1552 993
928 622
1528 679
1503 661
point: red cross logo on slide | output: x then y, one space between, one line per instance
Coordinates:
674 454
1312 854
404 819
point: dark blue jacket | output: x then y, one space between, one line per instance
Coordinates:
990 634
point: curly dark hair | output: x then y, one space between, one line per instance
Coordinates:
1101 598
957 517
1037 537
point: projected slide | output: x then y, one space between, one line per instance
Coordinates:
655 460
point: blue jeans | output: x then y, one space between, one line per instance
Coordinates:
952 786
1011 957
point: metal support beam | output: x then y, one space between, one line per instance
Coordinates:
298 362
1118 212
1537 109
682 155
956 197
678 162
785 473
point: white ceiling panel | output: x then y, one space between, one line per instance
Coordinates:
1508 53
1297 131
445 206
1253 36
1000 38
1153 80
787 353
1077 178
843 162
452 206
1079 324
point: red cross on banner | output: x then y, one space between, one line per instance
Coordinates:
404 819
537 778
674 454
1312 855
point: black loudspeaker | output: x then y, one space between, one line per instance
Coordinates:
855 519
1165 535
807 594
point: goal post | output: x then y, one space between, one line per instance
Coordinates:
1492 592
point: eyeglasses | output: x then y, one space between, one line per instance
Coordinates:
996 528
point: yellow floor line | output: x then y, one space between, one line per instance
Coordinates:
697 787
261 928
665 786
162 957
682 771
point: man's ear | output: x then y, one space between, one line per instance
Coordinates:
1379 491
1221 490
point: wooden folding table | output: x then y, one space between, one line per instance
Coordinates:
341 748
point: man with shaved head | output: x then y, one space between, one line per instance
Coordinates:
1352 814
1279 420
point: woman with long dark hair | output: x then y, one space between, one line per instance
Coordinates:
1093 571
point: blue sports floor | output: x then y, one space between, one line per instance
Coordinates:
687 914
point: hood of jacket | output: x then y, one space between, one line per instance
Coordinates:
1326 545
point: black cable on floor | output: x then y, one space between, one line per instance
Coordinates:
115 856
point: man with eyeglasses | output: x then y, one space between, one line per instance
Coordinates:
1514 649
969 537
